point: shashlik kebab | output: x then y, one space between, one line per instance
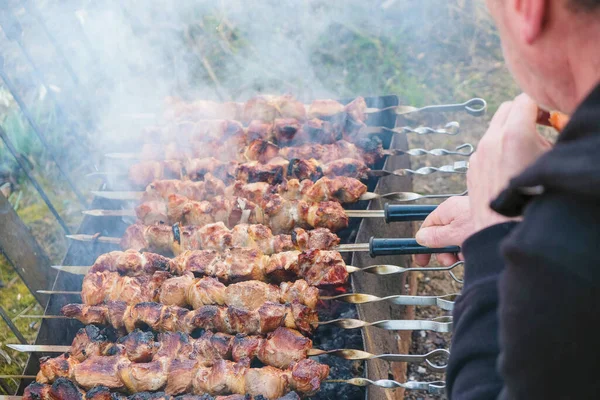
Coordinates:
266 108
223 133
176 239
262 150
274 172
188 291
280 349
279 214
272 210
184 374
162 318
65 389
341 189
271 107
316 267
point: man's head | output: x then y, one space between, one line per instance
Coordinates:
552 47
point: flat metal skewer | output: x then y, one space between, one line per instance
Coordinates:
464 150
440 324
391 213
373 269
435 387
458 167
348 354
475 107
445 302
394 196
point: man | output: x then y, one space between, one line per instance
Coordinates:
525 325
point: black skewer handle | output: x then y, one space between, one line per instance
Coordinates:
404 213
396 246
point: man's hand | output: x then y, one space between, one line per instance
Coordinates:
510 144
449 225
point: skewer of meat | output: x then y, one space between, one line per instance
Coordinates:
316 267
341 189
64 389
187 137
273 211
187 291
179 375
274 172
175 239
281 349
266 108
162 318
369 151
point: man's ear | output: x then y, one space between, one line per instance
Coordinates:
533 14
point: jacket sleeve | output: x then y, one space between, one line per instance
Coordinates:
472 372
549 306
525 326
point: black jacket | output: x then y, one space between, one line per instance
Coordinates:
527 324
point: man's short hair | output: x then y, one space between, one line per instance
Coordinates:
585 5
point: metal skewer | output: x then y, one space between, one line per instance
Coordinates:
445 302
373 269
458 167
436 387
348 354
391 213
450 129
375 247
475 107
434 152
463 150
439 324
394 196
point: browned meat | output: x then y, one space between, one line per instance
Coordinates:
346 167
64 389
203 190
98 287
167 240
317 266
222 378
130 263
268 108
162 318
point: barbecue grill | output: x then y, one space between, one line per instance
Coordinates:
327 337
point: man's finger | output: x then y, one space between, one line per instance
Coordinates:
422 259
446 259
433 219
524 113
436 236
